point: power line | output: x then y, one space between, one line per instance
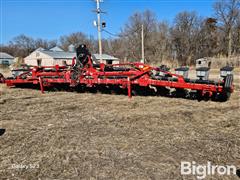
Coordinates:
120 36
111 33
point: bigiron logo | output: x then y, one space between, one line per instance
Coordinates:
202 171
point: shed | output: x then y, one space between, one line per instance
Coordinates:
56 56
49 58
6 59
107 59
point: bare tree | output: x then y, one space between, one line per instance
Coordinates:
76 39
184 36
132 34
236 37
190 37
44 43
160 41
227 12
22 45
207 42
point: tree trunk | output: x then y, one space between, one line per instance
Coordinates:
238 42
230 43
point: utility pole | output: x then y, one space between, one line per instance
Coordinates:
143 56
99 30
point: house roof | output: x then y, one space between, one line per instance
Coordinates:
60 54
4 55
70 55
40 49
71 46
57 49
104 56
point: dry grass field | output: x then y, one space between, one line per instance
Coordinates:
64 135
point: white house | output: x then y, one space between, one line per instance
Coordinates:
6 59
57 56
107 59
52 57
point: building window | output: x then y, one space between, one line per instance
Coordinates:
5 62
109 61
64 63
39 62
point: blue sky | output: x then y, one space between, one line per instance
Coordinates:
50 19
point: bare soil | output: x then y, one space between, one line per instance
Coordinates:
64 135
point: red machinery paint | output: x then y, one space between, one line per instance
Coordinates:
136 77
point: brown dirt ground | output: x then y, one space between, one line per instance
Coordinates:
64 135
